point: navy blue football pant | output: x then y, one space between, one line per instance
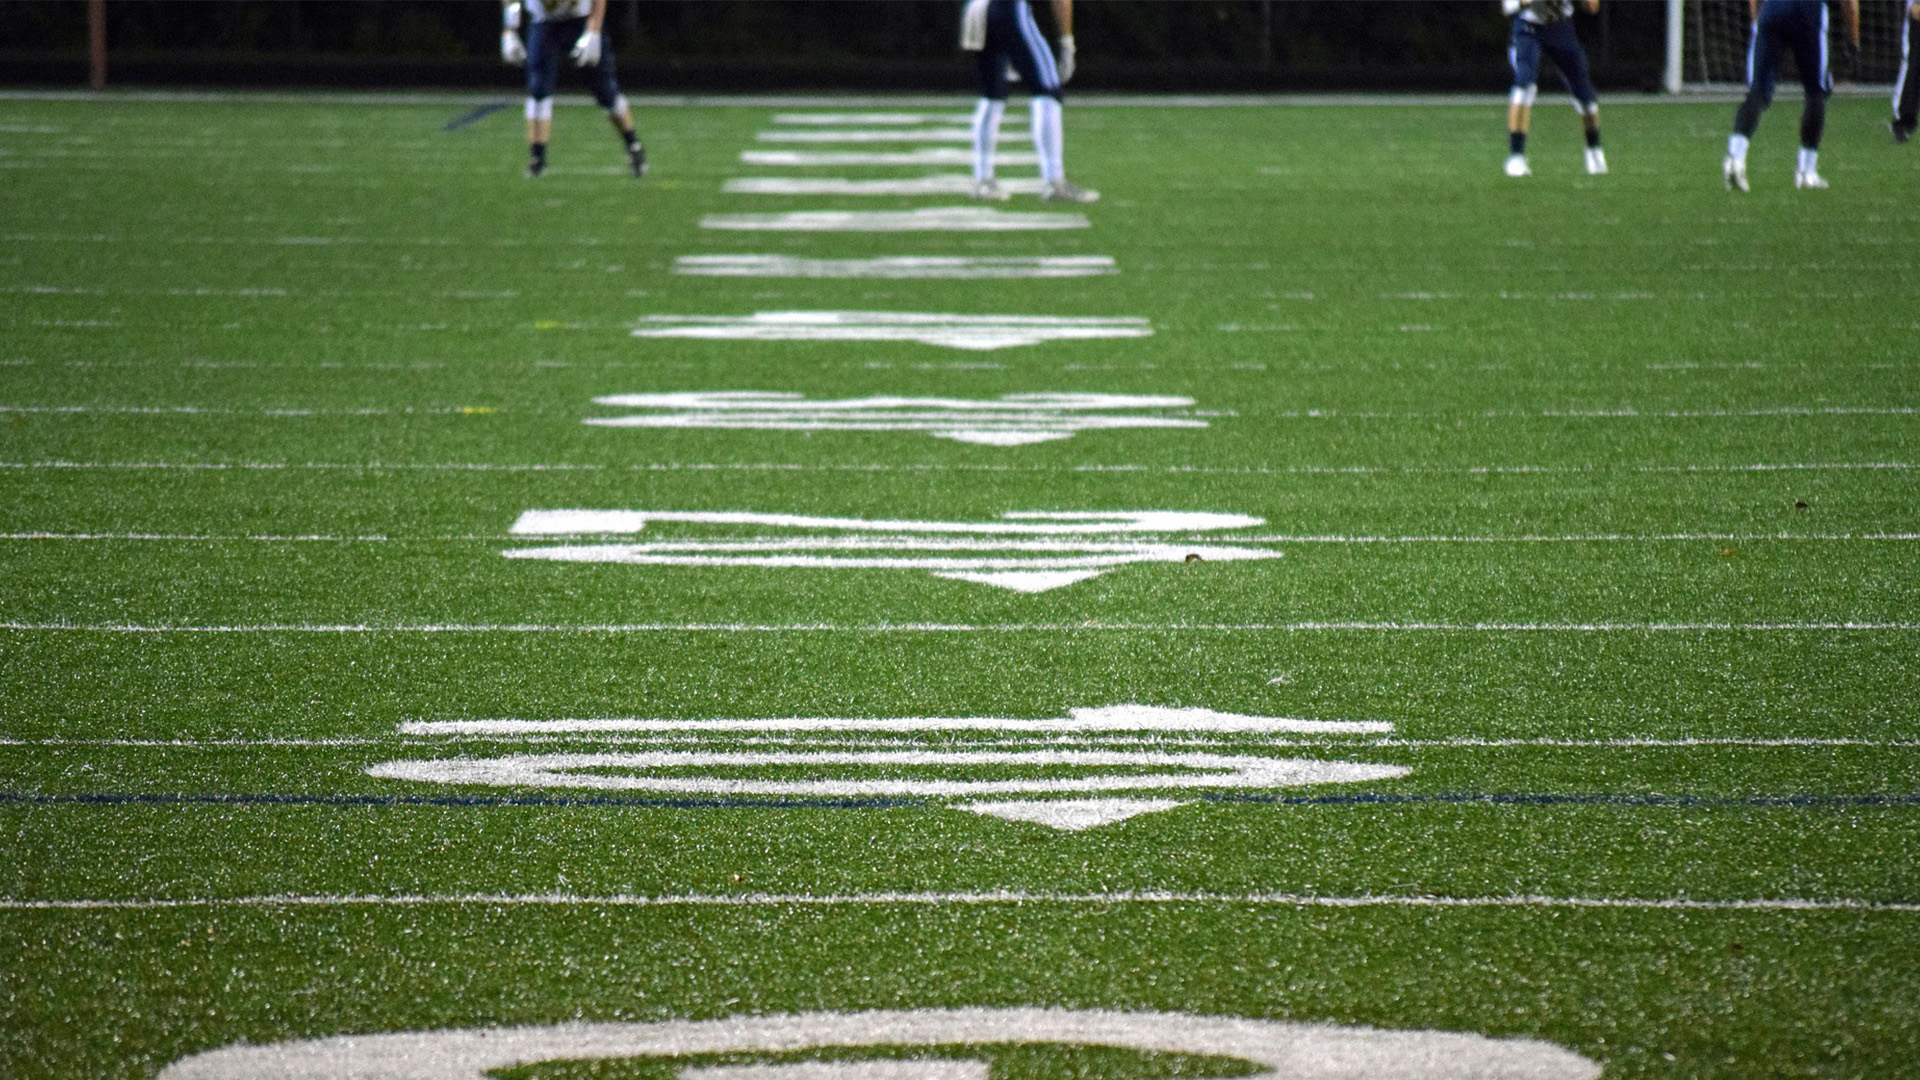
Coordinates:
548 42
1782 25
1557 40
1014 38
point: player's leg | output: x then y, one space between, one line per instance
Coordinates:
1571 59
543 70
1523 56
1906 88
1763 68
1809 43
1034 61
606 92
990 65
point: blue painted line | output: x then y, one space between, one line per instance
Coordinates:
467 120
1364 798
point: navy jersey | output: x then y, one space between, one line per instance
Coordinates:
1541 12
556 10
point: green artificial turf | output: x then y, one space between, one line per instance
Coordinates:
1599 490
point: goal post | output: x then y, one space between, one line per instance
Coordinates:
1707 45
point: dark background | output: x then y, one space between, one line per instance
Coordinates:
752 45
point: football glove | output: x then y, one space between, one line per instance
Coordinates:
511 50
586 52
1846 59
1066 58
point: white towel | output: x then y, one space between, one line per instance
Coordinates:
973 26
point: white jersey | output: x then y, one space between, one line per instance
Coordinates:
1541 12
555 10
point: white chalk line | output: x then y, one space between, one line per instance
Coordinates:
1334 742
1090 626
1316 538
966 899
887 467
729 328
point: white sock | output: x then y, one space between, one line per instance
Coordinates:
1809 160
1049 139
1737 148
986 132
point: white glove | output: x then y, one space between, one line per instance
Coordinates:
586 52
511 50
1509 7
1066 58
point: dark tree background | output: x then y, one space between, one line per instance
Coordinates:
736 45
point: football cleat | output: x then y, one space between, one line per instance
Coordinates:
637 160
1517 165
1810 180
1735 172
534 168
1596 161
989 191
1062 191
1900 132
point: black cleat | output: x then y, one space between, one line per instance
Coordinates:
535 167
1901 132
637 159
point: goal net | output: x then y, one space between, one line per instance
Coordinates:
1712 45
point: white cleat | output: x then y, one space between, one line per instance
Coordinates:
1735 171
1809 179
1062 191
1517 165
1596 161
989 190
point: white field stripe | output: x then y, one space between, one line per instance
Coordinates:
573 522
933 219
898 134
1091 626
1109 718
1011 420
953 331
871 119
970 332
879 467
939 184
598 735
216 410
897 267
929 156
462 538
940 899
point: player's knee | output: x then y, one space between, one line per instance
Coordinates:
1523 96
540 107
617 107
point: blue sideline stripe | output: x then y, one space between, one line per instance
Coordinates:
1363 798
467 120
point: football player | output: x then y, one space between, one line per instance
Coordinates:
1906 88
573 26
1001 33
1779 25
1547 26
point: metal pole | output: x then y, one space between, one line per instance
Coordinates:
97 44
1676 45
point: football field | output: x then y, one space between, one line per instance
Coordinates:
1325 607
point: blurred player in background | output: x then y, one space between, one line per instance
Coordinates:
1547 26
1779 25
1002 32
1906 88
574 26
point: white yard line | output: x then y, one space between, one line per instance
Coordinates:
1322 539
1389 627
693 732
884 467
970 332
943 899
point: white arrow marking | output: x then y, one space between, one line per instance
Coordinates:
931 219
641 771
1290 1049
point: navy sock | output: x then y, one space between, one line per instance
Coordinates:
1593 137
629 137
539 152
1516 142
